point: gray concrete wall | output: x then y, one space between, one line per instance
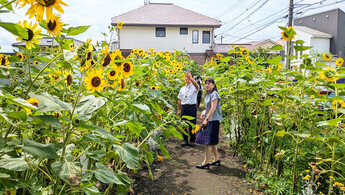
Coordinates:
331 22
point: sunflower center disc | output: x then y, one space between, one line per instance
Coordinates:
88 56
48 3
106 60
69 80
30 34
3 61
126 67
112 73
122 83
51 25
96 81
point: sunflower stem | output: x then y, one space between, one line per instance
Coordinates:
43 69
7 4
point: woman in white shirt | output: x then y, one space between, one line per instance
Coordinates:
187 102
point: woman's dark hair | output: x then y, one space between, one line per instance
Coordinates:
209 80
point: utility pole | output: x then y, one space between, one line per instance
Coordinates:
221 39
289 43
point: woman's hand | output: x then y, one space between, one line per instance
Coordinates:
204 123
189 75
202 116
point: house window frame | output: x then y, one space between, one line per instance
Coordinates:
161 28
195 37
209 36
183 28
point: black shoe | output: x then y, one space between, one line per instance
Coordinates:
215 163
191 145
184 145
207 165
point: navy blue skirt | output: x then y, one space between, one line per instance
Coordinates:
213 131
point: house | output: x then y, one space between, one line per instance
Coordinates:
321 27
319 41
45 44
251 46
165 27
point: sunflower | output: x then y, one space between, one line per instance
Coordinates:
237 49
119 25
219 56
122 85
160 53
250 60
338 104
328 75
21 56
107 59
48 5
111 83
196 129
269 70
36 62
71 46
54 25
166 57
94 80
127 69
31 101
140 52
327 56
134 51
33 34
245 52
68 78
286 32
153 87
4 60
112 75
24 2
339 61
138 83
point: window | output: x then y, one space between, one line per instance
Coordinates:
183 31
195 37
206 36
160 31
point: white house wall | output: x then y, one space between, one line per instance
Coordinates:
320 45
304 37
145 37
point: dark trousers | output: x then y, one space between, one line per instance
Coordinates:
189 110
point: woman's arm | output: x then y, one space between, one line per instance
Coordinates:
213 108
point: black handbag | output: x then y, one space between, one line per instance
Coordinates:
202 136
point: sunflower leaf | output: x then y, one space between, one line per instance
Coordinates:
15 29
129 154
88 106
105 175
277 48
72 31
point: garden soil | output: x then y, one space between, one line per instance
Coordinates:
178 174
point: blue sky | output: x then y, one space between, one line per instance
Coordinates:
239 19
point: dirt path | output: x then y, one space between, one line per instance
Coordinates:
178 174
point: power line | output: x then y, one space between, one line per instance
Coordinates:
232 7
247 9
247 16
321 6
285 9
274 21
256 31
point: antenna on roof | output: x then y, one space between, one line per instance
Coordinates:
146 2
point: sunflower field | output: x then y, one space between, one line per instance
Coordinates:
74 120
286 123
